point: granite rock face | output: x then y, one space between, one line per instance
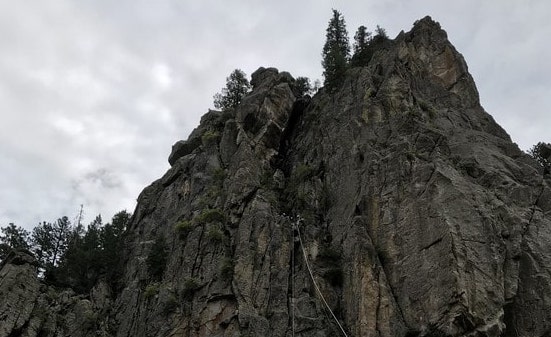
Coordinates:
397 197
29 308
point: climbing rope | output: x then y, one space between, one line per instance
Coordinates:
293 281
314 280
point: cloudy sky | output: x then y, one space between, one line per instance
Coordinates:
93 93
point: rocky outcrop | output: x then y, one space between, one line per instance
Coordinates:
395 206
30 308
19 289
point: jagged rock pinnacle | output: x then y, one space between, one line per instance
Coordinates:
417 214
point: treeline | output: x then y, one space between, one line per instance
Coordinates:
70 255
237 86
336 57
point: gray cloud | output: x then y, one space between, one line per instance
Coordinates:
94 93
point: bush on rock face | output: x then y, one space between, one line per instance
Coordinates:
541 152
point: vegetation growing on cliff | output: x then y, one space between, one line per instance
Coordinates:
336 51
237 86
541 152
336 59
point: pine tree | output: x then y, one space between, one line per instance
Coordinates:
361 40
81 265
302 86
381 33
112 237
336 52
237 86
367 44
49 241
13 238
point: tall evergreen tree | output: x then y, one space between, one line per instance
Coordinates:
92 254
361 39
237 86
336 52
381 33
77 257
80 266
111 239
367 44
302 86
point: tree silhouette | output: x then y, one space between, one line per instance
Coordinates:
361 39
237 86
49 241
336 52
541 152
13 238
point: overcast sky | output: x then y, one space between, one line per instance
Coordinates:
94 93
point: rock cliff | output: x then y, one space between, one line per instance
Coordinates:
395 206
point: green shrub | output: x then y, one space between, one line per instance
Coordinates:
429 109
170 304
210 215
183 228
151 290
226 268
302 172
209 137
215 234
208 198
218 176
89 320
190 286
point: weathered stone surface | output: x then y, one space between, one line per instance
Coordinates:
206 134
29 308
420 196
449 203
182 148
19 289
403 200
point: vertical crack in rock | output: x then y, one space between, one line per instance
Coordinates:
422 218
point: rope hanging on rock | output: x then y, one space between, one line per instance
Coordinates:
314 281
293 281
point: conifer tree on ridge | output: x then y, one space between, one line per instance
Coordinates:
336 52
